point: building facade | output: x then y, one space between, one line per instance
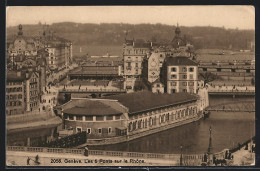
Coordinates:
134 52
15 93
180 74
126 116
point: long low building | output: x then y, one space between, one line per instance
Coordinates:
125 117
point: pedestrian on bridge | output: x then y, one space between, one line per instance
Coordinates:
28 161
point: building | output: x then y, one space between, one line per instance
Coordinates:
99 118
124 117
22 92
157 87
15 88
179 74
134 52
20 44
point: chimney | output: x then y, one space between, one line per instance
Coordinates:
19 73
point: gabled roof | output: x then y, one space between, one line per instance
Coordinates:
146 100
180 60
92 108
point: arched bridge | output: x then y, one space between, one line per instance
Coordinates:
238 106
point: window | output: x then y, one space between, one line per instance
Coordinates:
109 130
109 118
184 83
184 90
79 129
191 69
99 130
89 130
117 117
184 69
191 76
173 76
184 76
136 64
161 55
173 83
71 117
173 90
173 69
191 83
99 118
79 118
158 85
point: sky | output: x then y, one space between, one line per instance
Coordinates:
241 17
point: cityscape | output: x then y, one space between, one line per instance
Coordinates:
121 94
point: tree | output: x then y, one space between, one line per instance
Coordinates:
208 77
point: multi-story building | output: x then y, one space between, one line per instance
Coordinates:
134 52
15 95
22 92
179 74
32 91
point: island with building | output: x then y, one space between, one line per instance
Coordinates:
109 99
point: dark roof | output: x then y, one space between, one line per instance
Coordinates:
146 100
12 75
92 108
180 60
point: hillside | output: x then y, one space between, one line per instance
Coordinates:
114 34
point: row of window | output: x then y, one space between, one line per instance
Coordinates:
33 86
33 98
183 90
143 123
33 80
184 69
19 89
14 97
183 83
90 118
14 103
184 76
35 92
14 83
33 104
99 130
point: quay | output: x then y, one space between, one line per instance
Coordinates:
17 156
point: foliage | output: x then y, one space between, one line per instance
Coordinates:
107 34
66 142
208 77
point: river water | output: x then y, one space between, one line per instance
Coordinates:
228 129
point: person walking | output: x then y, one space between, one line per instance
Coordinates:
28 161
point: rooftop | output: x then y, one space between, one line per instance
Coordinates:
97 70
146 100
92 108
180 60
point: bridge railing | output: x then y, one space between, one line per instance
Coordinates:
230 91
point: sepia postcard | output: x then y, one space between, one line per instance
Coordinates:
130 86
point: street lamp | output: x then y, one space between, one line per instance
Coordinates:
181 157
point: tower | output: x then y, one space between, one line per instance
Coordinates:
177 31
20 32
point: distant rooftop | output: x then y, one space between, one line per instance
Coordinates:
180 60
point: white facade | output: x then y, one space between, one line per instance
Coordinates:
182 79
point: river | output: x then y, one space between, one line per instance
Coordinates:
228 129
